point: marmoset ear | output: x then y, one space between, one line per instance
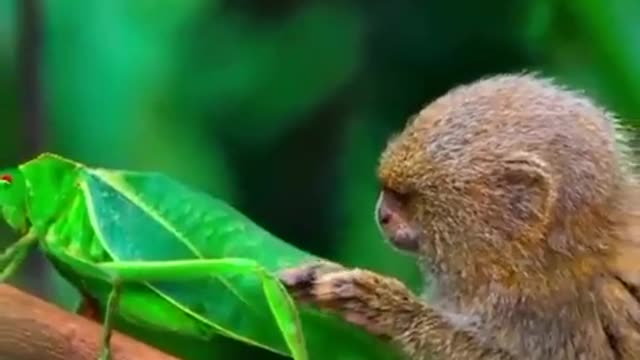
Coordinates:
529 189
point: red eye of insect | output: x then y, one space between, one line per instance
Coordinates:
6 177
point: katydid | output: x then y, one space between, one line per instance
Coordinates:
123 249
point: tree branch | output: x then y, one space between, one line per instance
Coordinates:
32 329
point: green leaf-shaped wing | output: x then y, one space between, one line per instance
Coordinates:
150 217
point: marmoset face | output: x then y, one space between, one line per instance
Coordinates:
394 222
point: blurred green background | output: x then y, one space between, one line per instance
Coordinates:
280 107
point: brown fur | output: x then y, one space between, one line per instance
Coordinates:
524 208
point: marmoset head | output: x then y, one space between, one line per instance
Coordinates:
501 163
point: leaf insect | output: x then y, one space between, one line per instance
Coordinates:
53 204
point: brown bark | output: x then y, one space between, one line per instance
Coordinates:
32 329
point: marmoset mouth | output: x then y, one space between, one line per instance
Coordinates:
405 239
401 236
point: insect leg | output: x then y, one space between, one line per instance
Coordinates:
176 269
90 270
112 304
14 263
23 242
139 271
280 303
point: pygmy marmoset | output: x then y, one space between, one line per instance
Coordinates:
519 198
